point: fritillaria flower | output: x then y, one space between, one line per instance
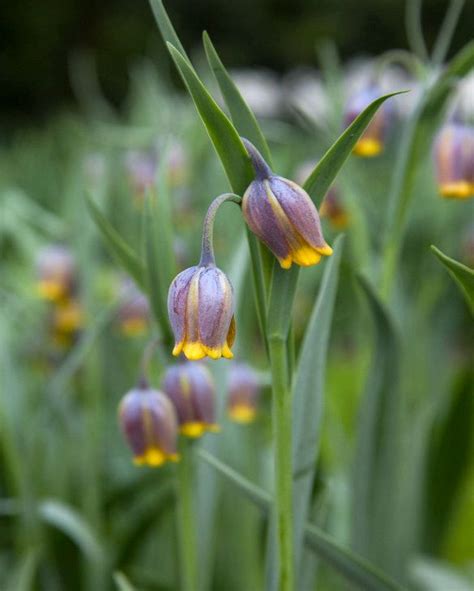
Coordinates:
200 302
56 272
149 424
371 142
333 209
454 160
191 390
133 311
283 216
244 392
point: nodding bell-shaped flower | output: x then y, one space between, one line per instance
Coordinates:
134 310
191 390
149 424
371 142
244 393
56 271
283 216
333 209
201 303
454 160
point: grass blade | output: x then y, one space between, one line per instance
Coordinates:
122 583
462 275
119 249
308 395
165 26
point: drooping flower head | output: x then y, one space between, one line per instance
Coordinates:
333 209
134 310
66 321
244 393
191 390
56 271
454 160
371 142
149 424
200 302
283 216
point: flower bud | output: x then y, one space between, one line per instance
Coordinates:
244 392
283 216
371 142
133 311
201 312
332 209
56 271
454 160
191 390
149 424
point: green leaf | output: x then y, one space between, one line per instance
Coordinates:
462 275
308 395
223 134
23 577
71 523
348 564
165 26
323 175
159 255
241 114
122 583
376 483
122 252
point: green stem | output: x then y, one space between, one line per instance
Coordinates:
207 250
283 461
186 519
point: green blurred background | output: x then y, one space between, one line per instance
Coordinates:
280 34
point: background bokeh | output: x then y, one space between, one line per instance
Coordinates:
36 45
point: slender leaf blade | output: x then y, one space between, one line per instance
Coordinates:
223 134
308 395
463 276
324 173
119 249
165 26
241 114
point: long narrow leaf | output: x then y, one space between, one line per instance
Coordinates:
375 469
351 566
462 275
166 28
223 134
117 246
308 395
241 114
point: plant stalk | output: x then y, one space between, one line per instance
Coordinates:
282 437
187 518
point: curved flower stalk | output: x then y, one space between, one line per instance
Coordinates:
191 389
283 216
200 301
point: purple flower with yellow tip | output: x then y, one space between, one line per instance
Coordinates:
149 424
454 160
244 393
333 209
56 272
134 310
191 390
371 142
201 303
283 216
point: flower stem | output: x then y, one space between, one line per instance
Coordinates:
186 519
283 461
207 250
